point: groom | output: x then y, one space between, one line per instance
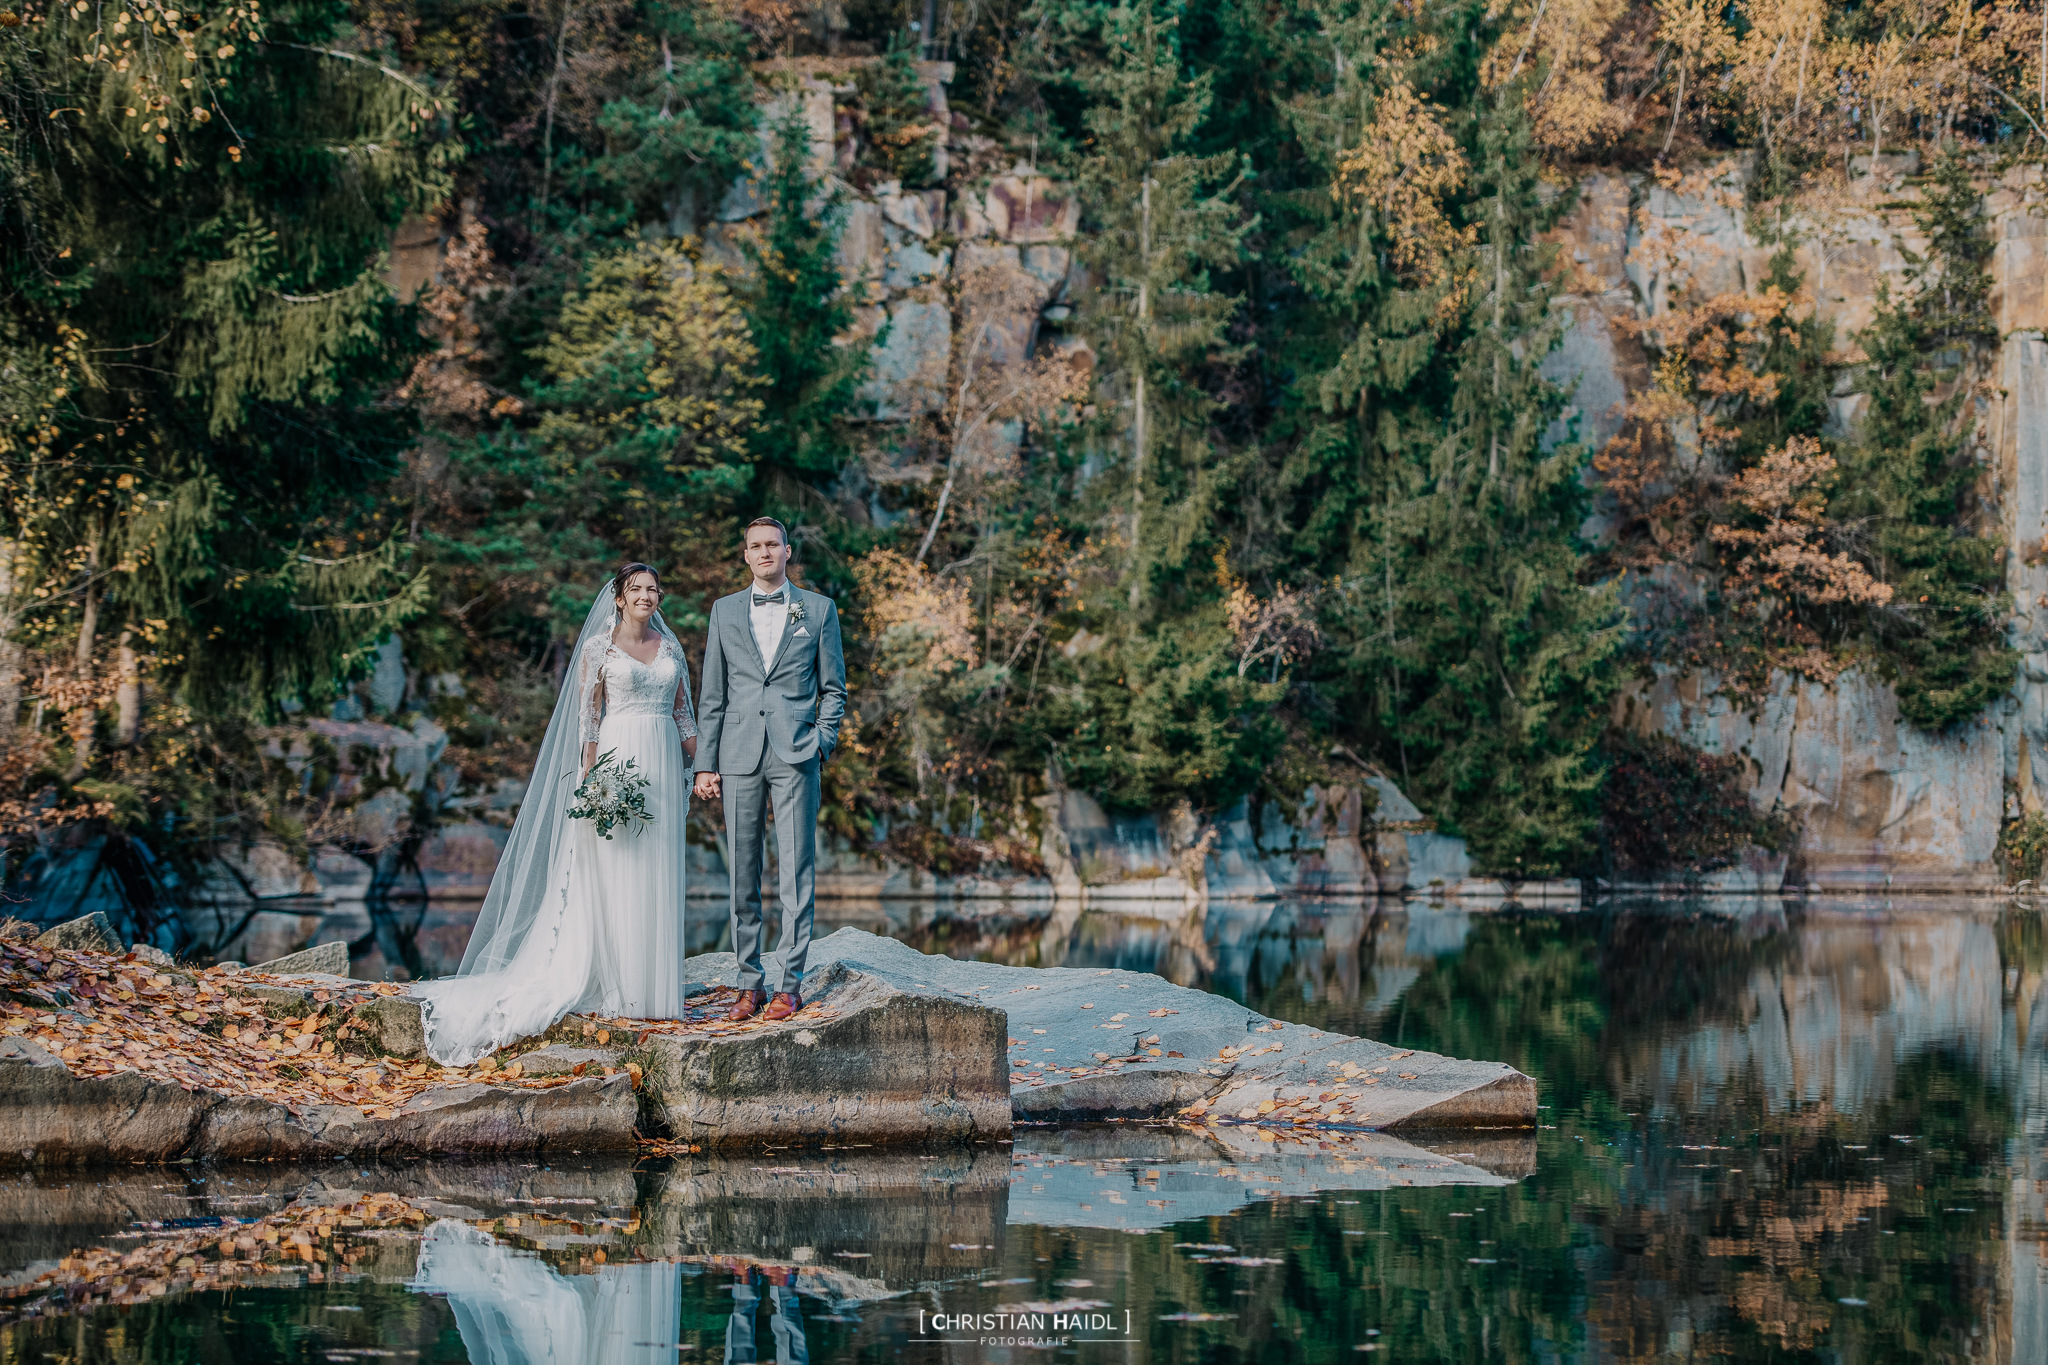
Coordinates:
767 718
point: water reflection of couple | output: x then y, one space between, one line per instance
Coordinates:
512 1308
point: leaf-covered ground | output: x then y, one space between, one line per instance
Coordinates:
102 1014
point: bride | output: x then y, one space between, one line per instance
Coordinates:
574 921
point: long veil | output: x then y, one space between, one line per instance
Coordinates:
532 860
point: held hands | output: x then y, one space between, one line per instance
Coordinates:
707 786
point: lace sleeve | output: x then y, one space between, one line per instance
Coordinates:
686 720
590 690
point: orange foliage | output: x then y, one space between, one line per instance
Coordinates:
1784 555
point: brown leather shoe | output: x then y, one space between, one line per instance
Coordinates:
783 1005
745 1006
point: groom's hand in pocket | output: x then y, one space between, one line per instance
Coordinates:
707 786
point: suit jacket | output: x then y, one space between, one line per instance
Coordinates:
793 701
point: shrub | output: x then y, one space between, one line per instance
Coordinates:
1669 807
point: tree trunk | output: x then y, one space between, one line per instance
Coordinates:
127 696
1138 465
10 650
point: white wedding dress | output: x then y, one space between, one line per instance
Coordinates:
512 1308
574 922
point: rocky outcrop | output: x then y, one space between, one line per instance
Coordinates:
327 959
93 933
1091 1045
1878 802
869 1062
893 1046
49 1117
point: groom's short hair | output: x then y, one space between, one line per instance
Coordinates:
782 530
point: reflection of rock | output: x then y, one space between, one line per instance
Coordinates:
1158 1177
260 870
915 1220
458 860
1830 1021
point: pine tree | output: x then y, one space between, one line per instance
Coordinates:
1160 223
197 211
1163 712
1505 659
1940 641
1362 336
796 309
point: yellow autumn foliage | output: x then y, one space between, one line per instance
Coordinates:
1404 168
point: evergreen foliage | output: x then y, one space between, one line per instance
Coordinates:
1161 223
195 237
1942 641
1501 658
797 310
901 130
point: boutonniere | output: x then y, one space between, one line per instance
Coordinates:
796 610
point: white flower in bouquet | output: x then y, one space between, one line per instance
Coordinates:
612 794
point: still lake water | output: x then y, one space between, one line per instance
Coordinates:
1785 1132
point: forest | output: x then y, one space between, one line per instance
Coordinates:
1298 491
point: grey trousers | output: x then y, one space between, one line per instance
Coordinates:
786 1322
793 791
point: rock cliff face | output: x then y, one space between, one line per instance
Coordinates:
1881 802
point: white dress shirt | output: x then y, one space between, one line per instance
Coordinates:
770 620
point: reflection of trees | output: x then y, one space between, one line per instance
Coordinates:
1743 1253
1525 991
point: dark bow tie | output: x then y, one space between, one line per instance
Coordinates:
761 601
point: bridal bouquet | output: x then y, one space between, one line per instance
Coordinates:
611 794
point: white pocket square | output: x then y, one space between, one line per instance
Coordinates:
803 630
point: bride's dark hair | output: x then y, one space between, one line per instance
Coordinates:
625 576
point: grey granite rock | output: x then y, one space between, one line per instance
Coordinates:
93 933
1110 1044
329 959
868 1060
559 1059
153 955
392 1023
48 1117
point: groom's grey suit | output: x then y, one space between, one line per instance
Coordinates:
766 726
